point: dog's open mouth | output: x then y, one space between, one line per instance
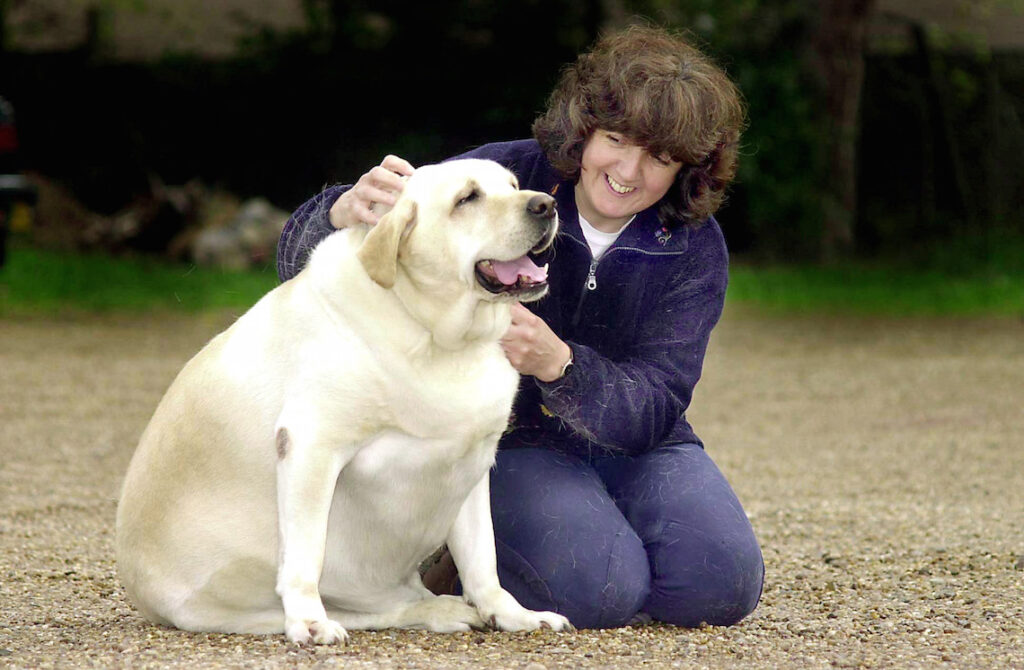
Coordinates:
515 276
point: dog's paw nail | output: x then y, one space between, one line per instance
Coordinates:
545 624
328 632
297 634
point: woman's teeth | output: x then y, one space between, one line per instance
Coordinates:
617 187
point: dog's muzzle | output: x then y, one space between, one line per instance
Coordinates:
522 277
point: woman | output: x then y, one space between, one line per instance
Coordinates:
606 507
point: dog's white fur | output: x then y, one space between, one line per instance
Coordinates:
306 461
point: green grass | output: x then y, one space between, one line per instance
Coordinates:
865 289
37 282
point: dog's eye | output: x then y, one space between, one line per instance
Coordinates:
473 195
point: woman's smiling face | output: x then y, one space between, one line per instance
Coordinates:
619 179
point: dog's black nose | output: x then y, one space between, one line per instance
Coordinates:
541 206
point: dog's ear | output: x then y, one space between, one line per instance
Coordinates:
379 251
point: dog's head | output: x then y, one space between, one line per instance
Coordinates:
463 226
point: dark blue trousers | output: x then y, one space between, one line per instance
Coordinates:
601 540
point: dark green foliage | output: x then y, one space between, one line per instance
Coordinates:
940 148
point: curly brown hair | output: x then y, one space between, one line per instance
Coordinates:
661 93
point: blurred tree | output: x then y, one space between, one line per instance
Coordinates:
942 141
3 26
839 40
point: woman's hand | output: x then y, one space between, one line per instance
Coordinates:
532 347
380 186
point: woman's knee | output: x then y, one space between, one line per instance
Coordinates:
718 581
706 562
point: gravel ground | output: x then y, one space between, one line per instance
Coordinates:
881 463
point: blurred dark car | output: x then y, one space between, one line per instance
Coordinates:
15 189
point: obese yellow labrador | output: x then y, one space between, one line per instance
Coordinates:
305 462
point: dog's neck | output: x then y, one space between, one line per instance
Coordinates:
453 324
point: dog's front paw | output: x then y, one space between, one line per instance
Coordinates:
552 620
503 612
529 620
320 631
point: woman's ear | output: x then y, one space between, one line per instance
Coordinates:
379 251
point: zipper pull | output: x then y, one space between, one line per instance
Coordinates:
592 275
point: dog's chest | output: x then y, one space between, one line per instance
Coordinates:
457 402
408 491
398 457
442 432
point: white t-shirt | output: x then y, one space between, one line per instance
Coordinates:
599 241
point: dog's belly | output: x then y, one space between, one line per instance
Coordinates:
394 504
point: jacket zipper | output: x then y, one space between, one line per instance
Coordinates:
589 285
592 275
591 282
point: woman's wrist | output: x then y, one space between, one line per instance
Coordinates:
560 367
336 214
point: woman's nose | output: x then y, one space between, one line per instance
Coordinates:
629 164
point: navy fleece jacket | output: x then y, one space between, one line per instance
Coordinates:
637 320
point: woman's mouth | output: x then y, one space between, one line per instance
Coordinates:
617 187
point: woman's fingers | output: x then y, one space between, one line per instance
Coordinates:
381 185
397 165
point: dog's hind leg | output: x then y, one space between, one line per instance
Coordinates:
254 623
440 614
205 611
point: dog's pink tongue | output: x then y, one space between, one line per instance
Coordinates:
508 272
